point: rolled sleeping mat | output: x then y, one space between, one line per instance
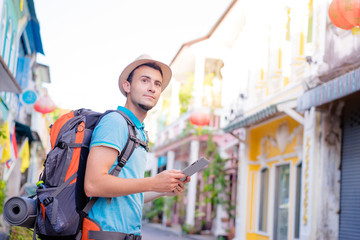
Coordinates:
20 211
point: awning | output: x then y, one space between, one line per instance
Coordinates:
33 30
330 91
7 80
252 119
22 130
33 33
23 71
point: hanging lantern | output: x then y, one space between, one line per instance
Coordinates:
345 14
336 17
44 105
200 118
350 9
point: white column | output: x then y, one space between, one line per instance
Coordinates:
240 221
152 163
169 166
170 160
220 226
199 80
310 177
191 194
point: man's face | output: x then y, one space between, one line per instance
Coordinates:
145 88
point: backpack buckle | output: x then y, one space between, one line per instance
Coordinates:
134 138
132 237
122 162
61 145
129 237
48 200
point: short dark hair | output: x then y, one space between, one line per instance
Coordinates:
151 64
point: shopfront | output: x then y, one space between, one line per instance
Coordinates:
273 183
270 175
335 112
349 224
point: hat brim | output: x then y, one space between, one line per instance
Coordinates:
166 73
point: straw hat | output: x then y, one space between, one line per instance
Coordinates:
166 71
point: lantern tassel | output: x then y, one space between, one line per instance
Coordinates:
355 30
198 131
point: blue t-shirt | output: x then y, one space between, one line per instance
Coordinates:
124 213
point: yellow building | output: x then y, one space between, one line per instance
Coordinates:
270 175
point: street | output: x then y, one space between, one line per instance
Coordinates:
150 232
154 232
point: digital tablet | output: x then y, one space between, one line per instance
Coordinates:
195 167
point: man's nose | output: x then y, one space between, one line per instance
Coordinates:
151 87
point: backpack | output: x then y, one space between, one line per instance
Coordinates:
61 201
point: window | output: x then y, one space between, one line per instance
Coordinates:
264 198
297 199
7 43
12 53
281 211
2 30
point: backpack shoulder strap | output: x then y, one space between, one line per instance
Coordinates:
131 143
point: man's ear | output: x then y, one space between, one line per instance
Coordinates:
126 86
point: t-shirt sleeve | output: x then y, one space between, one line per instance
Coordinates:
112 131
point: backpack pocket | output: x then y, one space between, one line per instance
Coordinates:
57 215
58 159
54 165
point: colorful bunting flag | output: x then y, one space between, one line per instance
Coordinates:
14 144
24 154
5 142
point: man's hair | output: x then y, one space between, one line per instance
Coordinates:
151 64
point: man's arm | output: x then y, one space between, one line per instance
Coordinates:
98 183
150 196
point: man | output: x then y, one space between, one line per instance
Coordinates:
141 82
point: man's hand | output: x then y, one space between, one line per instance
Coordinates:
150 196
179 189
167 181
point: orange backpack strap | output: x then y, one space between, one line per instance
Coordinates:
92 230
56 127
89 225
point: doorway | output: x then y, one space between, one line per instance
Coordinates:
281 210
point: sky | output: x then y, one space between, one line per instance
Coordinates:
87 43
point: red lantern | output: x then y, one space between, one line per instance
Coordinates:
336 16
44 105
345 14
350 9
200 118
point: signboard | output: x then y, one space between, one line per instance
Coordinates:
28 97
